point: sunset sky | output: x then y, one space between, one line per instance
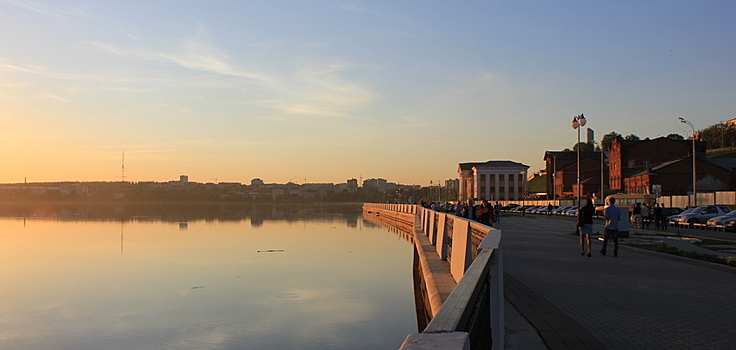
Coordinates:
325 91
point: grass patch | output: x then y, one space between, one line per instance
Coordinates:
663 248
658 234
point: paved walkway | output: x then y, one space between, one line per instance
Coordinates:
638 300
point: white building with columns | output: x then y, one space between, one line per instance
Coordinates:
495 180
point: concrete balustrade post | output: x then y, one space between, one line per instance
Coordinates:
460 246
441 243
432 227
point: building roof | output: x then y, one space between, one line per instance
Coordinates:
572 154
726 163
492 164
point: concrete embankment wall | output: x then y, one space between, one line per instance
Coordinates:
456 256
436 279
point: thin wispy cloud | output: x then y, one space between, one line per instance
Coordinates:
324 91
47 10
155 147
13 68
192 54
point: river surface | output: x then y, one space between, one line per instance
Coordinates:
201 277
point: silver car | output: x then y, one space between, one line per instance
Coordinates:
701 214
721 220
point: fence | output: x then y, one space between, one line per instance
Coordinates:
472 316
681 201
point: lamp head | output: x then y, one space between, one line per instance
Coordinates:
581 119
575 123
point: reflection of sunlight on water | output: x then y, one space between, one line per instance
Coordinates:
287 296
205 288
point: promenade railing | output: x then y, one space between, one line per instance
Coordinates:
472 316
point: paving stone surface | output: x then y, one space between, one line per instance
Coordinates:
638 300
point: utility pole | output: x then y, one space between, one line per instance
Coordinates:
122 174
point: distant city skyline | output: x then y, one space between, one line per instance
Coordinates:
333 90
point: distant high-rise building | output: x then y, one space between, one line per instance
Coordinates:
379 185
352 185
183 179
452 184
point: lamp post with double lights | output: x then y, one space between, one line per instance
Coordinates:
578 122
695 192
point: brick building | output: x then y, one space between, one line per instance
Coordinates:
629 157
676 176
562 171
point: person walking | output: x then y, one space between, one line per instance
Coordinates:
496 213
664 216
484 213
612 215
471 211
585 225
636 215
646 212
657 215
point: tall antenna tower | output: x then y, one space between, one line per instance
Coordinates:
122 174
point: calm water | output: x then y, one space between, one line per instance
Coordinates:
201 277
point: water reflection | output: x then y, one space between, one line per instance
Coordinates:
183 212
238 277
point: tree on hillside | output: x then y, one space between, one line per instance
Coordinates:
676 137
718 136
607 140
631 137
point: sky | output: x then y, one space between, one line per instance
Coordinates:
325 91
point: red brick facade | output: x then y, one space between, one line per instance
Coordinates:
676 177
562 173
630 157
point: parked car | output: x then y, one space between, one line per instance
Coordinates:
544 209
572 211
720 220
672 218
701 214
509 207
730 224
560 210
673 211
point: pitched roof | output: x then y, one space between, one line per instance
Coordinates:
726 163
493 164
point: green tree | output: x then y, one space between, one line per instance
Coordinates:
584 147
607 140
718 136
631 137
676 137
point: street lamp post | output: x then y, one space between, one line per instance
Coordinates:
578 122
600 145
695 192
